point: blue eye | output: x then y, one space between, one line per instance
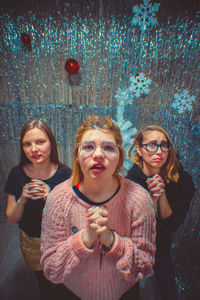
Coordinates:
152 145
109 148
88 147
26 144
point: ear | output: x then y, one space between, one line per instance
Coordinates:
139 150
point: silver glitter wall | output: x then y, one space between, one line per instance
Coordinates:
111 44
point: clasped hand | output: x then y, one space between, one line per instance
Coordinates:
98 227
156 186
36 189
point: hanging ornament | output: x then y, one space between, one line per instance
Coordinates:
72 66
26 39
137 75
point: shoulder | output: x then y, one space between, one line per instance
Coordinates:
59 197
135 193
132 170
185 181
16 170
185 176
61 190
16 173
63 186
183 190
64 171
134 187
136 174
16 179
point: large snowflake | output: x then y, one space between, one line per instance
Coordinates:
145 15
183 102
139 85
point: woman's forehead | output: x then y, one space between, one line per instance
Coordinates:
154 135
98 134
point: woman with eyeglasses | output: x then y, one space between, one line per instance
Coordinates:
98 229
157 169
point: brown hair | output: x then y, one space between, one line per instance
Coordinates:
169 171
95 122
44 127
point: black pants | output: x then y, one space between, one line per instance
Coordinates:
62 293
51 291
132 294
164 274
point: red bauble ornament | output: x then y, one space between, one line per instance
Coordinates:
72 66
137 75
26 39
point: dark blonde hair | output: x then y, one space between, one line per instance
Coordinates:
91 123
44 127
169 171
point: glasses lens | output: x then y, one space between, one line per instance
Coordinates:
165 147
151 147
87 148
109 148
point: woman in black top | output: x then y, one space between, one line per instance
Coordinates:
157 169
28 186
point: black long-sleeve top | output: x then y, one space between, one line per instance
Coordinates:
179 196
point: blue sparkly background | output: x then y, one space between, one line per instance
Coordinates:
110 47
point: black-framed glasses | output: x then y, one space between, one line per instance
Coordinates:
87 148
153 147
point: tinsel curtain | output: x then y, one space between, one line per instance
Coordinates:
111 46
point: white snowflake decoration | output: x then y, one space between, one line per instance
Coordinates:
127 133
183 102
139 85
145 15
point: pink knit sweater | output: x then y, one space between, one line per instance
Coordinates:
66 260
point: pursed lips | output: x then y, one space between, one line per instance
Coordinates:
158 159
36 156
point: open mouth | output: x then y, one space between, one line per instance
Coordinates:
98 167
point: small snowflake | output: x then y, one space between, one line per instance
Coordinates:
139 85
145 15
183 102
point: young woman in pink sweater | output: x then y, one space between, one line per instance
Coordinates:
98 229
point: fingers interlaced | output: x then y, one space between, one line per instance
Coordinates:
97 217
36 189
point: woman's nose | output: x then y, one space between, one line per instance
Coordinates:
98 152
159 149
33 147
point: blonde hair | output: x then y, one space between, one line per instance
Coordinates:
91 123
169 171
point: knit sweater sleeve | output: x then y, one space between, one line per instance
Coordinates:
61 251
134 256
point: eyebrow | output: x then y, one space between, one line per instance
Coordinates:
155 141
89 141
